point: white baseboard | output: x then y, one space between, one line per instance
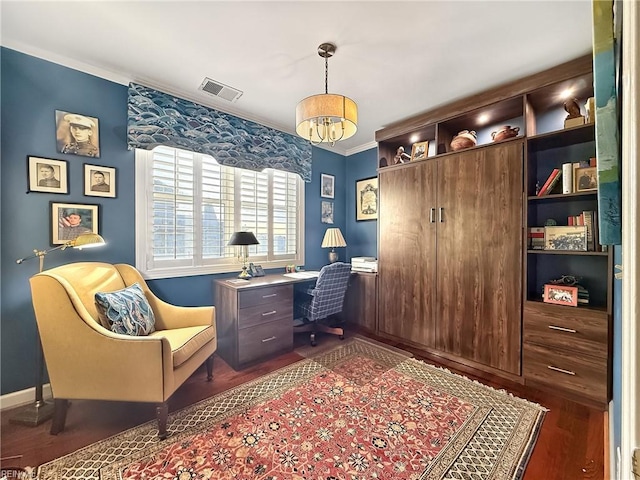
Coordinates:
23 397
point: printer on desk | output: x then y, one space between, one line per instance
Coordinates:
364 264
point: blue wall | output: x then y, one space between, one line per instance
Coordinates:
32 89
361 236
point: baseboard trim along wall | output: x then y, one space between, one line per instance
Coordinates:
23 397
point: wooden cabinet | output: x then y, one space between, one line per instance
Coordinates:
361 301
450 254
253 322
455 275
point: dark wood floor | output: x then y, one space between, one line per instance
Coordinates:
570 445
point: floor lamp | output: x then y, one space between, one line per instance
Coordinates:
41 411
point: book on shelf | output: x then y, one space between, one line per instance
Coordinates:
551 185
545 186
567 178
588 217
536 238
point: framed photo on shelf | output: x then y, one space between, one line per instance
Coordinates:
367 199
327 186
77 134
419 151
47 175
566 238
586 179
99 181
68 220
327 212
561 295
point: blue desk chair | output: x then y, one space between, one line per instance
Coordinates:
315 307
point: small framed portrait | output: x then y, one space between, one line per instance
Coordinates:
68 220
327 186
99 181
327 212
561 295
367 199
419 151
47 175
77 134
586 179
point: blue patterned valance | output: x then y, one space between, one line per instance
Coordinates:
157 118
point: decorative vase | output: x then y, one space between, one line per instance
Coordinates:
505 132
464 139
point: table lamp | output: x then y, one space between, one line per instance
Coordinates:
243 239
40 411
333 238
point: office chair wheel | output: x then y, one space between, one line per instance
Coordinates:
313 343
312 339
341 337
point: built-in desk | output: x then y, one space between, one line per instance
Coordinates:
254 319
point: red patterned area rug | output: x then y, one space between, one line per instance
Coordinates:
359 411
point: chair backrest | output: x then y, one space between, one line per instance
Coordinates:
330 289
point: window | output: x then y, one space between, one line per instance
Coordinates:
188 206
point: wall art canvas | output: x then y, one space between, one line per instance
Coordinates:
327 212
68 220
367 199
99 181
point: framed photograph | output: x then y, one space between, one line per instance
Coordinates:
419 151
77 134
68 220
327 212
367 199
327 187
586 179
566 238
47 175
99 181
561 295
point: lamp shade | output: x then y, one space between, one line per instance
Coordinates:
88 240
326 118
333 238
243 238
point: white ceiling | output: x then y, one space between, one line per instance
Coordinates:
395 59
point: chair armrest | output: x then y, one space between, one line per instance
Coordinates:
170 316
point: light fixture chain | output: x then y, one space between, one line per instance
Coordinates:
326 73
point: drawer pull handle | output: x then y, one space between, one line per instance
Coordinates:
561 370
265 340
266 314
562 329
270 295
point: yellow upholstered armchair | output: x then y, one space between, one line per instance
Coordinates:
85 360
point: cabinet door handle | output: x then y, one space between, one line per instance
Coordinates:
265 340
440 210
432 215
266 314
562 329
270 295
561 370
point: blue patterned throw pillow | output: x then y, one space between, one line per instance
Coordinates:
126 311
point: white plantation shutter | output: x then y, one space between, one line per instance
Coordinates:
188 206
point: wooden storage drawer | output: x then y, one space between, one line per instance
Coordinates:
577 330
583 375
263 340
261 296
269 312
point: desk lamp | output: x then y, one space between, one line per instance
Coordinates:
40 411
333 238
243 239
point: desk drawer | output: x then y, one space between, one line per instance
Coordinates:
270 312
263 340
578 330
580 374
267 295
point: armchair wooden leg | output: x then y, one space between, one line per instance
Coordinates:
162 412
59 415
209 363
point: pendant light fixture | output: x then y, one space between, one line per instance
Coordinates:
326 118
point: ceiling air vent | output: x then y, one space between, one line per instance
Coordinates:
221 90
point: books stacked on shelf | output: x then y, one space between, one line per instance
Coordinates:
550 183
364 264
536 238
583 295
